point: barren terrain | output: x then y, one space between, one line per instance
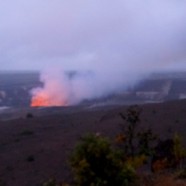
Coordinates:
36 144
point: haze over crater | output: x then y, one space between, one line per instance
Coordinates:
113 44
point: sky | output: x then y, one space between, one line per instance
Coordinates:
111 44
97 35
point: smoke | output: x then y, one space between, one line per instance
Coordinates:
55 91
111 45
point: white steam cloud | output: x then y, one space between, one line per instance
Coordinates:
112 44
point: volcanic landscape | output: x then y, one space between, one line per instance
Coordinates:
36 142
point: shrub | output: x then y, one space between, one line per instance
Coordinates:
132 117
95 163
137 161
178 150
135 142
146 139
163 156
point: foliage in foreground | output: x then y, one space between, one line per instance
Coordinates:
95 163
136 142
144 144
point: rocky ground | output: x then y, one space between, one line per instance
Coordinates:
35 144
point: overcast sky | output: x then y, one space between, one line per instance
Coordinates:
87 34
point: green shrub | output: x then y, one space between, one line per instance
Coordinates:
178 150
95 163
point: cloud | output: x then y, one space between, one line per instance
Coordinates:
123 31
118 41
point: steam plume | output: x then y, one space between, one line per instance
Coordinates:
112 45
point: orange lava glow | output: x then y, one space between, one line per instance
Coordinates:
42 100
